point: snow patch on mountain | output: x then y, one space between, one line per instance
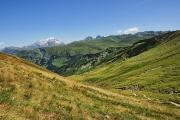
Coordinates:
49 42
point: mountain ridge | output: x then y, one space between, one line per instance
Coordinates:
60 58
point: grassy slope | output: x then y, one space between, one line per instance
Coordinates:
155 73
30 92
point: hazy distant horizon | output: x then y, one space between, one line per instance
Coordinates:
127 30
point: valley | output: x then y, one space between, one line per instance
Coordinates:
81 56
138 81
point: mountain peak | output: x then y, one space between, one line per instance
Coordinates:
48 42
89 38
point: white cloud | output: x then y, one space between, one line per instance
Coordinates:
2 45
132 30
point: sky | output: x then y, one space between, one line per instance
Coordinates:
23 22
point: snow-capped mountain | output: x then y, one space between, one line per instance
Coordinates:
49 42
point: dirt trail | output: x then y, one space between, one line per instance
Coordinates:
129 99
176 104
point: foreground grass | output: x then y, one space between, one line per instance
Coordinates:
30 92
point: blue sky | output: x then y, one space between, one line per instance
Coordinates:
23 22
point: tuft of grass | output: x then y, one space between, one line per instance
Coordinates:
6 96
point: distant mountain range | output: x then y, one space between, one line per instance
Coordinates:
78 56
49 42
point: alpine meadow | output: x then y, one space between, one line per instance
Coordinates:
89 60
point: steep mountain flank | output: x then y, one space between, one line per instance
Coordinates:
82 63
156 70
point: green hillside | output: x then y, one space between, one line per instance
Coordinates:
31 92
155 72
70 59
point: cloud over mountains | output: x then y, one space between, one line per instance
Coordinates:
132 30
2 45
